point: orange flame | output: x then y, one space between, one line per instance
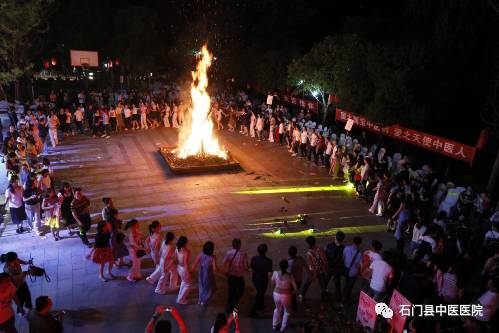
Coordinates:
196 134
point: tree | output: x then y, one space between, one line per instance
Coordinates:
20 21
314 73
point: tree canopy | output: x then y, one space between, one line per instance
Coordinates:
19 23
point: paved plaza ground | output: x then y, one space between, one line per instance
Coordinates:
128 168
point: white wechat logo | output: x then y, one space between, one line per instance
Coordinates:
384 310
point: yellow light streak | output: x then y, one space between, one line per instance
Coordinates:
330 232
297 189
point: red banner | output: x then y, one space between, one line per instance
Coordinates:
397 303
366 315
303 103
439 145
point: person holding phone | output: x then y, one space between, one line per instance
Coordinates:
164 326
222 323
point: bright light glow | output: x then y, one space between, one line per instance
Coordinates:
91 73
150 74
300 82
196 134
91 77
350 186
315 93
347 230
297 189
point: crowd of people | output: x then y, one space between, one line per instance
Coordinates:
447 236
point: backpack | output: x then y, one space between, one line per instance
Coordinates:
334 255
319 265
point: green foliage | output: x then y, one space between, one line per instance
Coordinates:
315 71
19 23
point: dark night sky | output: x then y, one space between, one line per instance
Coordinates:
457 39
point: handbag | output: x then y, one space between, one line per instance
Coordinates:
35 271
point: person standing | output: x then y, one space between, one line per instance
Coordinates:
32 198
166 271
303 142
128 117
14 200
183 255
235 265
79 119
119 117
41 320
334 253
112 119
382 274
174 116
143 116
207 263
18 277
317 267
52 207
166 115
259 127
312 149
80 209
296 267
272 122
66 193
53 124
7 295
135 118
102 253
136 250
284 287
352 256
153 241
261 267
67 120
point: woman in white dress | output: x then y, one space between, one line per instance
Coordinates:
183 255
136 250
174 117
153 241
272 126
166 271
252 124
166 117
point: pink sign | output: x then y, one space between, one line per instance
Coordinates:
366 315
398 321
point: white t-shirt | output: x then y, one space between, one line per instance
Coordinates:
16 197
373 256
382 271
281 128
303 137
490 302
417 233
79 115
314 139
430 241
128 113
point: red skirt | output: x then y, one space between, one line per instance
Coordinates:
103 255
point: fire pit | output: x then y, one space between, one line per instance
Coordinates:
197 164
